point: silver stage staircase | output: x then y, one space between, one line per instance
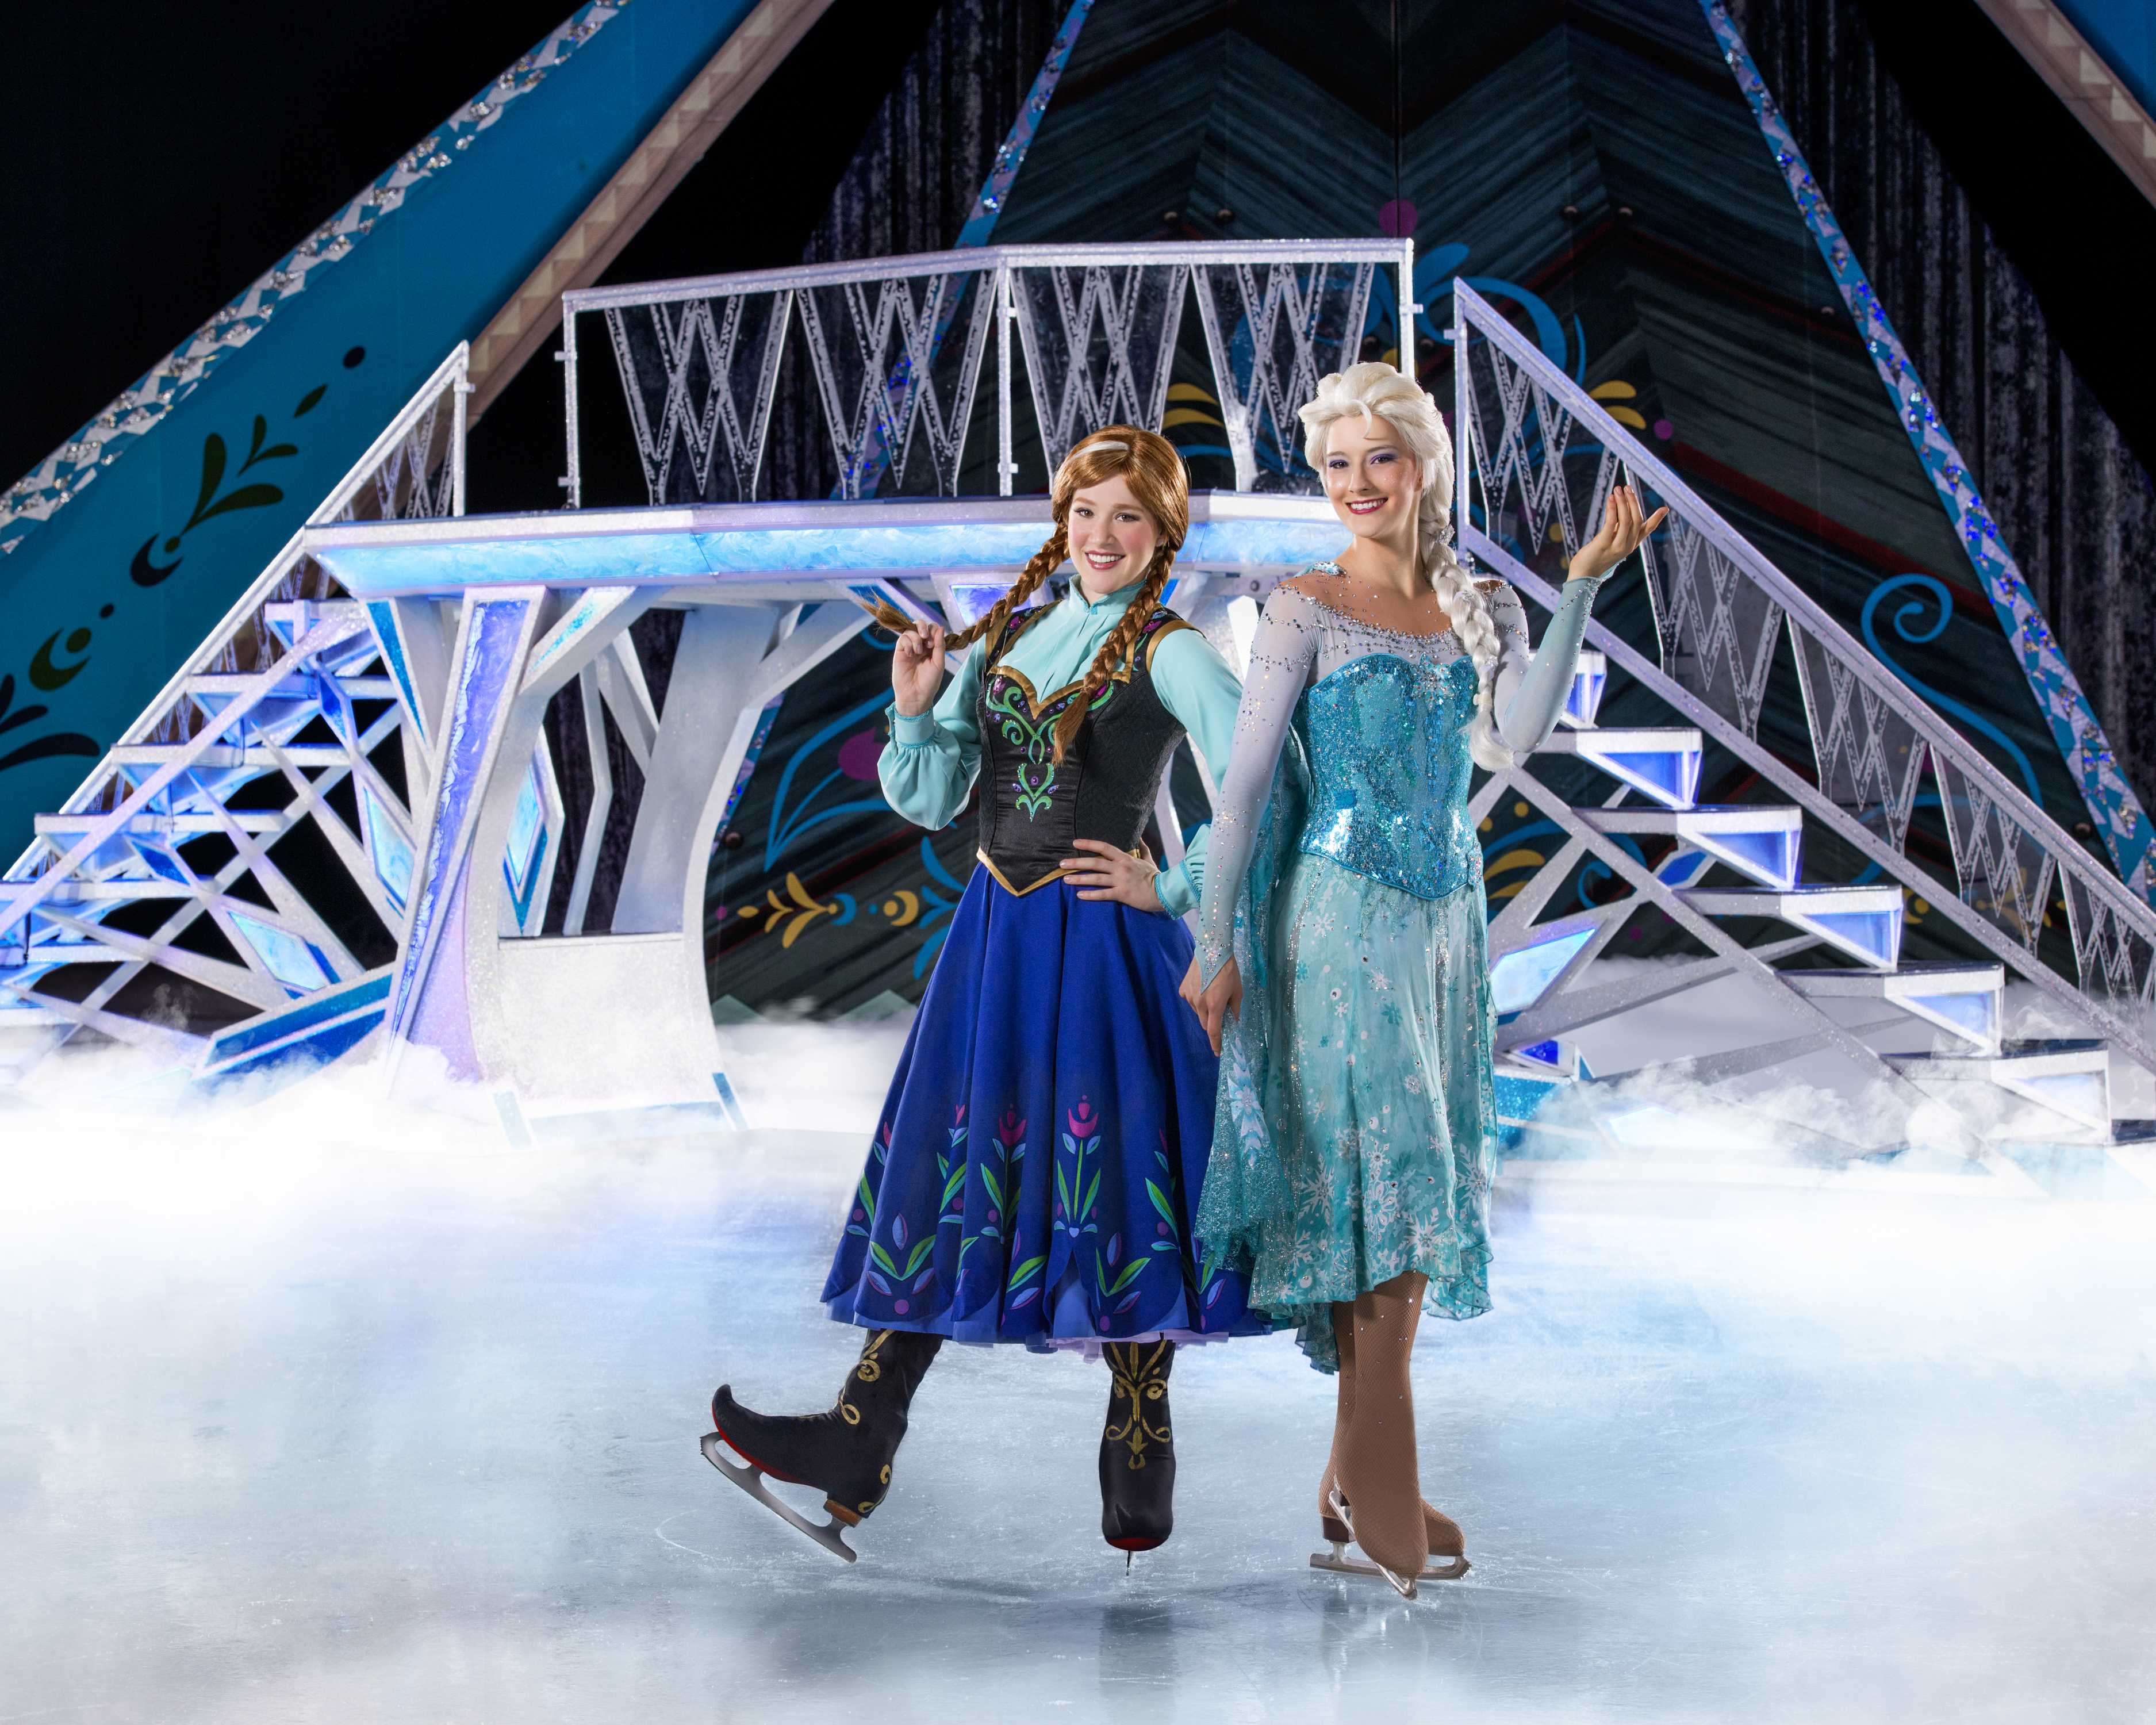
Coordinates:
1539 456
330 699
281 720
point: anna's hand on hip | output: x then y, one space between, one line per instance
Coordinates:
916 670
1111 874
1216 1001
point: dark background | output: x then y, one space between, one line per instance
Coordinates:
162 157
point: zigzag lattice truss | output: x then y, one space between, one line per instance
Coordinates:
700 359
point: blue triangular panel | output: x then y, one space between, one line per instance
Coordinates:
1875 935
1768 857
1976 1012
1670 777
1518 979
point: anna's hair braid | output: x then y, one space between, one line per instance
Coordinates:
1042 564
1038 568
1117 647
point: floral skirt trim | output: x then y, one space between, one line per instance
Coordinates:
1039 1154
1355 1138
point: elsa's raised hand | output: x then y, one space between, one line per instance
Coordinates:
1622 533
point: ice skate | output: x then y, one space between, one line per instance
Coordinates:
750 1478
1137 1448
1340 1562
845 1453
1446 1541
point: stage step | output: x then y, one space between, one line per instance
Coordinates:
1863 922
1764 843
1661 761
1966 1000
1583 700
2041 1084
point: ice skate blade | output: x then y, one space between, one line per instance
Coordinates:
1403 1585
750 1478
1340 1563
1455 1567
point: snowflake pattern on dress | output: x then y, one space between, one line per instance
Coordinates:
1355 1137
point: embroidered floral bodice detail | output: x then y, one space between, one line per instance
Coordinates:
1023 720
1033 806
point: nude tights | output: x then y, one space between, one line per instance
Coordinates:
1373 1436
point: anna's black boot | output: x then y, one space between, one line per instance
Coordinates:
1137 1448
846 1452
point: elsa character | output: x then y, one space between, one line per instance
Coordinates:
1353 1152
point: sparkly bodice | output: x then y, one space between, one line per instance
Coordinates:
1387 741
1384 721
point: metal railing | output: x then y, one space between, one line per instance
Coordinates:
895 347
1539 456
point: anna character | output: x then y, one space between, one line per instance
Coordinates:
1037 1166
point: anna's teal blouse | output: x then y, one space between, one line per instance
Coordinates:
928 767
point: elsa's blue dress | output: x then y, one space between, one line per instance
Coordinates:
1353 1142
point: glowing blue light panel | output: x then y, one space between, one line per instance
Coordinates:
392 853
1769 856
288 958
1873 936
902 536
972 600
1976 1015
2084 1096
1684 867
1664 768
1583 700
528 843
1521 977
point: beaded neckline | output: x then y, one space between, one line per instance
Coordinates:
1349 617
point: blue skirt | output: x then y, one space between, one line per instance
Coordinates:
1039 1160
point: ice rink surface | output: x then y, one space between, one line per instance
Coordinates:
327 1414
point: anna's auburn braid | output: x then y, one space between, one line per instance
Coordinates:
1149 465
1114 650
1038 568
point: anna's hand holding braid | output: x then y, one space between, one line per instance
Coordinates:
917 668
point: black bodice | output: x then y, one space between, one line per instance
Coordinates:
1032 805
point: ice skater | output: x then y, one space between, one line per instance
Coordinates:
1038 1158
1342 940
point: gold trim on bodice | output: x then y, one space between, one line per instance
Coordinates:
1054 874
1040 703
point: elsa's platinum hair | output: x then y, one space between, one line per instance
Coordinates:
1377 391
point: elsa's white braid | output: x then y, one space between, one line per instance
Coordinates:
1374 389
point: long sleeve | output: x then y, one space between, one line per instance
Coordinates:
1281 655
1533 685
927 768
1196 685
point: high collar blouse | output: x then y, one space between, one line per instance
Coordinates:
928 767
